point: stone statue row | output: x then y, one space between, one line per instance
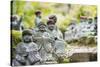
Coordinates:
45 43
39 45
86 27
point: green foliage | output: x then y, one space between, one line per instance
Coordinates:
63 59
84 41
16 38
64 12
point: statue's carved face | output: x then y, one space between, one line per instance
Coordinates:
39 15
42 28
51 26
27 38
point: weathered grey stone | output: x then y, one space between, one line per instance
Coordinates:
26 54
83 57
80 30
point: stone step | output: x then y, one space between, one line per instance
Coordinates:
51 62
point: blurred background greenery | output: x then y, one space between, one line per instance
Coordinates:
64 12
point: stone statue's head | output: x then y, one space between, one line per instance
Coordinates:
27 36
42 26
53 17
38 13
50 24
